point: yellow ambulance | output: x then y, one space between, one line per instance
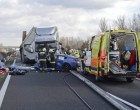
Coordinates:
114 53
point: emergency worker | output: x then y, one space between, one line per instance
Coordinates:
77 54
66 52
52 58
42 59
83 59
72 52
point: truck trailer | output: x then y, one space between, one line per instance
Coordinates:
115 53
36 39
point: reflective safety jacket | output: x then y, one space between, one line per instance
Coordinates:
77 54
52 58
42 56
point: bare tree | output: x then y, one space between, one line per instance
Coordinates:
103 25
84 44
135 22
120 23
72 42
63 41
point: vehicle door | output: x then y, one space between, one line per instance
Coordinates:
138 50
95 54
59 61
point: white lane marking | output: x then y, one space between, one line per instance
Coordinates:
128 103
138 78
4 88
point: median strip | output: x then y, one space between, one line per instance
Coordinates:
118 105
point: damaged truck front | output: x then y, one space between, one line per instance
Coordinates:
37 39
113 54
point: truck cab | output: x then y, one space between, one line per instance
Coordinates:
36 39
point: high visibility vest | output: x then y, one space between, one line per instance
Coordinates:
77 55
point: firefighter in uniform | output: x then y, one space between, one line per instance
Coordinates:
52 58
42 59
83 59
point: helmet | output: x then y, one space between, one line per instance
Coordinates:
44 49
51 50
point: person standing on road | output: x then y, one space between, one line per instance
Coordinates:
52 58
77 54
83 59
42 59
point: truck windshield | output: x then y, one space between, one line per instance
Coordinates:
48 45
45 31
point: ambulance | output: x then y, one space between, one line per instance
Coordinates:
114 53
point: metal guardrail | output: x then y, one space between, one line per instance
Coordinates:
101 92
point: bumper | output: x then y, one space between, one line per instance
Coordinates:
127 75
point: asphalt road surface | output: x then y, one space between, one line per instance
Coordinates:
119 87
48 91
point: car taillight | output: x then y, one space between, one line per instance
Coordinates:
76 59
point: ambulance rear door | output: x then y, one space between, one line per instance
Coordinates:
95 54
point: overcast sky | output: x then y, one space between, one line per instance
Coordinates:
78 18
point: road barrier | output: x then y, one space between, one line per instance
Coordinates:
119 105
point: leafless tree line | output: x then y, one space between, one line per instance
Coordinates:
122 22
73 43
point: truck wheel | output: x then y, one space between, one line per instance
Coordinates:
130 79
66 67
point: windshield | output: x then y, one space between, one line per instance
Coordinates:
45 31
50 45
124 40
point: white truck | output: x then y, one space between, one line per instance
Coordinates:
36 38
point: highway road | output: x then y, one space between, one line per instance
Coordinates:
48 91
129 92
